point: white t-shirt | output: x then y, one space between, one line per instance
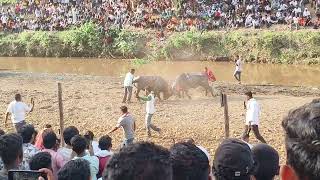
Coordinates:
18 110
65 153
128 80
239 65
95 146
150 109
253 112
306 13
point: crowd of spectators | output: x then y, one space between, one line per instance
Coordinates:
234 159
58 15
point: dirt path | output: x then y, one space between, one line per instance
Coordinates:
92 103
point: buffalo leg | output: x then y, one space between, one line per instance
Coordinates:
207 87
186 92
210 90
158 95
137 94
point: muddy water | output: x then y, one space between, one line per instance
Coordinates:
252 74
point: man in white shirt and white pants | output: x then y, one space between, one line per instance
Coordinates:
237 72
150 110
252 117
128 86
18 110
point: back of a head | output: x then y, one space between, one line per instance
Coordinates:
124 109
17 97
302 132
49 140
40 160
233 160
10 148
267 159
188 162
89 135
79 144
68 134
140 161
2 132
249 94
78 169
105 142
27 132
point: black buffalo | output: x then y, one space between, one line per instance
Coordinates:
186 81
152 83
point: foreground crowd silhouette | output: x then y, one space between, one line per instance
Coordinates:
57 15
82 158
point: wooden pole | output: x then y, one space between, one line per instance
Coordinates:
226 116
60 113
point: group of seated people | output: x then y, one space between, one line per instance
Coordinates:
82 158
56 15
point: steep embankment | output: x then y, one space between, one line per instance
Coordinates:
261 46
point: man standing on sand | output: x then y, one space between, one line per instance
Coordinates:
252 117
18 110
128 125
237 72
128 86
209 74
150 110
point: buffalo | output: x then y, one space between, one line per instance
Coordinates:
152 83
186 81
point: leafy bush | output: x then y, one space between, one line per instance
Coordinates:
289 47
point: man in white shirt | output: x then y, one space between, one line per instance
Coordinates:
306 13
237 72
18 110
128 86
252 117
150 110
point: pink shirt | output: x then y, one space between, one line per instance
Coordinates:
57 161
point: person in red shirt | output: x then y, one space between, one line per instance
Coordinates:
209 74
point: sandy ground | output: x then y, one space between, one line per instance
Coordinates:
92 103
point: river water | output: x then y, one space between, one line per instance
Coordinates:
293 75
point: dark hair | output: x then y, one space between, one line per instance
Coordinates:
10 148
68 134
40 160
249 94
47 126
124 109
140 161
267 159
189 162
26 132
132 70
78 169
79 144
302 134
105 142
49 139
17 97
89 135
2 132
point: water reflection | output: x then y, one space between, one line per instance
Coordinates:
253 73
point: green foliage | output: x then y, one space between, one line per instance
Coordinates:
129 44
4 2
289 47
